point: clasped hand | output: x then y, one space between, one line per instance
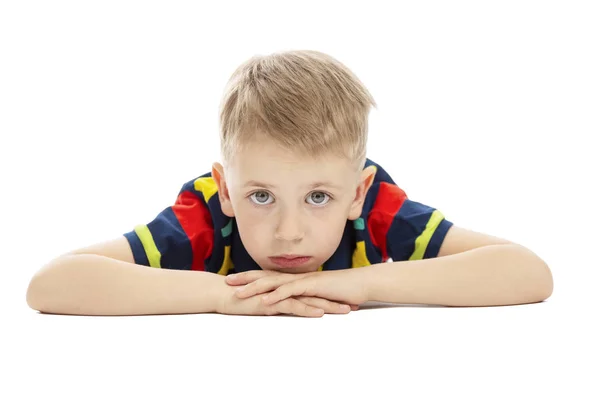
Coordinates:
309 294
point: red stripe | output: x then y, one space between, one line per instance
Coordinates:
387 204
196 221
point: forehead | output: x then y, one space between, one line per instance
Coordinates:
269 163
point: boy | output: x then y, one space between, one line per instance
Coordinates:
253 237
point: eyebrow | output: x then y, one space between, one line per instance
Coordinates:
311 186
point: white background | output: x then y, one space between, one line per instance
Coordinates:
487 111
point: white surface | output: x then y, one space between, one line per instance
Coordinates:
486 112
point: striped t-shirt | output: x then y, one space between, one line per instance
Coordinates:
194 234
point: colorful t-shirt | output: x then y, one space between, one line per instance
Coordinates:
194 234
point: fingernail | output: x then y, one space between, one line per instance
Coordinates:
344 307
240 289
265 298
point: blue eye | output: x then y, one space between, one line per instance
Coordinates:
323 196
260 202
263 196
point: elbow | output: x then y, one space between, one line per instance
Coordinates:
541 282
34 293
44 285
546 282
37 291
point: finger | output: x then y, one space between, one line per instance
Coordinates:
244 278
330 307
264 285
296 307
354 307
291 289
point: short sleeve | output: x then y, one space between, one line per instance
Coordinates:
179 237
404 229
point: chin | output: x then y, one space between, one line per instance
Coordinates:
294 270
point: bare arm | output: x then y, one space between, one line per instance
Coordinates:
502 274
103 280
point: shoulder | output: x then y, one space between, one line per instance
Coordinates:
381 174
198 196
197 205
384 192
203 186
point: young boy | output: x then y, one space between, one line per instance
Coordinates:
253 237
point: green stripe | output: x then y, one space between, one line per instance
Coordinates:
149 246
359 224
423 239
226 231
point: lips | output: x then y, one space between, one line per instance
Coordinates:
290 261
289 256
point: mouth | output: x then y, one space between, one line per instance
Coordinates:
290 261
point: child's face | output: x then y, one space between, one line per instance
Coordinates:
290 216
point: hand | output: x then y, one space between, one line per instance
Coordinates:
275 280
303 306
347 286
244 278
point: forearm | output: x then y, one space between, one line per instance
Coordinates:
88 284
485 276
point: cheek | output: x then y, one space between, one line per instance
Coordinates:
329 233
253 230
255 233
250 217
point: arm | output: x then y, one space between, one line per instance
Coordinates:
501 274
103 279
471 269
92 284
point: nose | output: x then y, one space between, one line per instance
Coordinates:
290 226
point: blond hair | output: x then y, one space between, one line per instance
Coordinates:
303 100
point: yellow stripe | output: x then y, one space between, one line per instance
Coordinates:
149 246
207 186
359 257
227 263
423 239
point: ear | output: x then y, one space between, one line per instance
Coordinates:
219 178
367 176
